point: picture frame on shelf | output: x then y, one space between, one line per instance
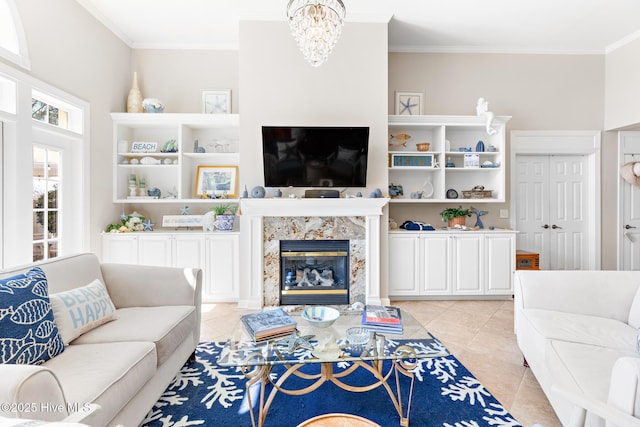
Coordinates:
412 161
409 103
217 181
216 101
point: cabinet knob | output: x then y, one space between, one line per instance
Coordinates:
546 226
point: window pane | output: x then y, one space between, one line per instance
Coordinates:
53 163
53 115
38 193
39 159
38 110
38 225
53 224
38 251
53 249
53 195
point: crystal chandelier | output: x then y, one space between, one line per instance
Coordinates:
316 26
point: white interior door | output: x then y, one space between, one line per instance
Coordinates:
630 222
551 193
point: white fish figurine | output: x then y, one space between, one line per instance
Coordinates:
149 161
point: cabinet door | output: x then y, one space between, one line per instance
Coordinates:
188 251
403 265
466 260
435 260
120 248
222 267
500 264
155 250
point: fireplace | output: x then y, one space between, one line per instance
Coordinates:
314 272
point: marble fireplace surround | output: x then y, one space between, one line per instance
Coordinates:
264 222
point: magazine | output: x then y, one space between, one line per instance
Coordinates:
268 324
381 315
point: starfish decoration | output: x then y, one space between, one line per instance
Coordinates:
147 225
407 106
295 341
185 210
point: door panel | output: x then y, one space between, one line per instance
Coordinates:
551 203
630 257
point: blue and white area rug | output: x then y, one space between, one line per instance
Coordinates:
445 394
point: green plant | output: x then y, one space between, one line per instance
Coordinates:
450 213
225 209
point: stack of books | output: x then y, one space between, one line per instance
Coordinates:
383 319
268 324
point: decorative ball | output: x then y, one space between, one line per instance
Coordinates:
257 192
277 193
378 192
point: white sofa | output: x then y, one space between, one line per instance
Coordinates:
578 332
122 366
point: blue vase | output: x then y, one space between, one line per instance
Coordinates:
480 146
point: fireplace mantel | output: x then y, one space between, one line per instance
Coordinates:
253 211
352 206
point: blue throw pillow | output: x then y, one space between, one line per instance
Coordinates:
28 332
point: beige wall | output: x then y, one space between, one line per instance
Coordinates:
72 51
541 92
178 77
623 87
280 87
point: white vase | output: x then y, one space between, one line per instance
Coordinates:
134 100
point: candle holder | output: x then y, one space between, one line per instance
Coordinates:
132 190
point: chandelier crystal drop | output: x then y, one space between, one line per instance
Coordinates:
316 25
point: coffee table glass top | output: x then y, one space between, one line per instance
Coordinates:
319 345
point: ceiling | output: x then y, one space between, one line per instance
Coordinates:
509 26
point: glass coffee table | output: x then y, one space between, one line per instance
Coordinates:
385 358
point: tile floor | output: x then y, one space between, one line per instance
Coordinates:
478 333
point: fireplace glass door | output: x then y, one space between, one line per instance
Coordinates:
314 272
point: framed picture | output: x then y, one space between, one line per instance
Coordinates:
217 181
412 161
408 103
216 101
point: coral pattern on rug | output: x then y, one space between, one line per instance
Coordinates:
445 394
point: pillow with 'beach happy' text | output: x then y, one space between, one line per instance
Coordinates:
81 309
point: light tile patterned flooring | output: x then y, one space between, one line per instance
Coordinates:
478 333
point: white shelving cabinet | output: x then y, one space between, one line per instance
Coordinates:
460 132
217 254
451 264
217 134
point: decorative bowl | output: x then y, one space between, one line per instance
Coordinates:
423 146
320 316
152 105
357 335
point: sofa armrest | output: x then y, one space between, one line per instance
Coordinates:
34 392
614 416
146 286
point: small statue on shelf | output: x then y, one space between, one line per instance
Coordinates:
478 213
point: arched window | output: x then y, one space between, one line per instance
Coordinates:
13 43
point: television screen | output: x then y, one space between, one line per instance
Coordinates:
315 156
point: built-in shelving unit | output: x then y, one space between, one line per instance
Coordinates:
174 173
426 173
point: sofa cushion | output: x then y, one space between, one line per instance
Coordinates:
28 332
79 310
109 374
580 328
582 367
165 326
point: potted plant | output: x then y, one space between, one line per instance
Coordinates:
225 216
455 216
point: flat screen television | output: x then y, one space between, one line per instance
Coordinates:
307 156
